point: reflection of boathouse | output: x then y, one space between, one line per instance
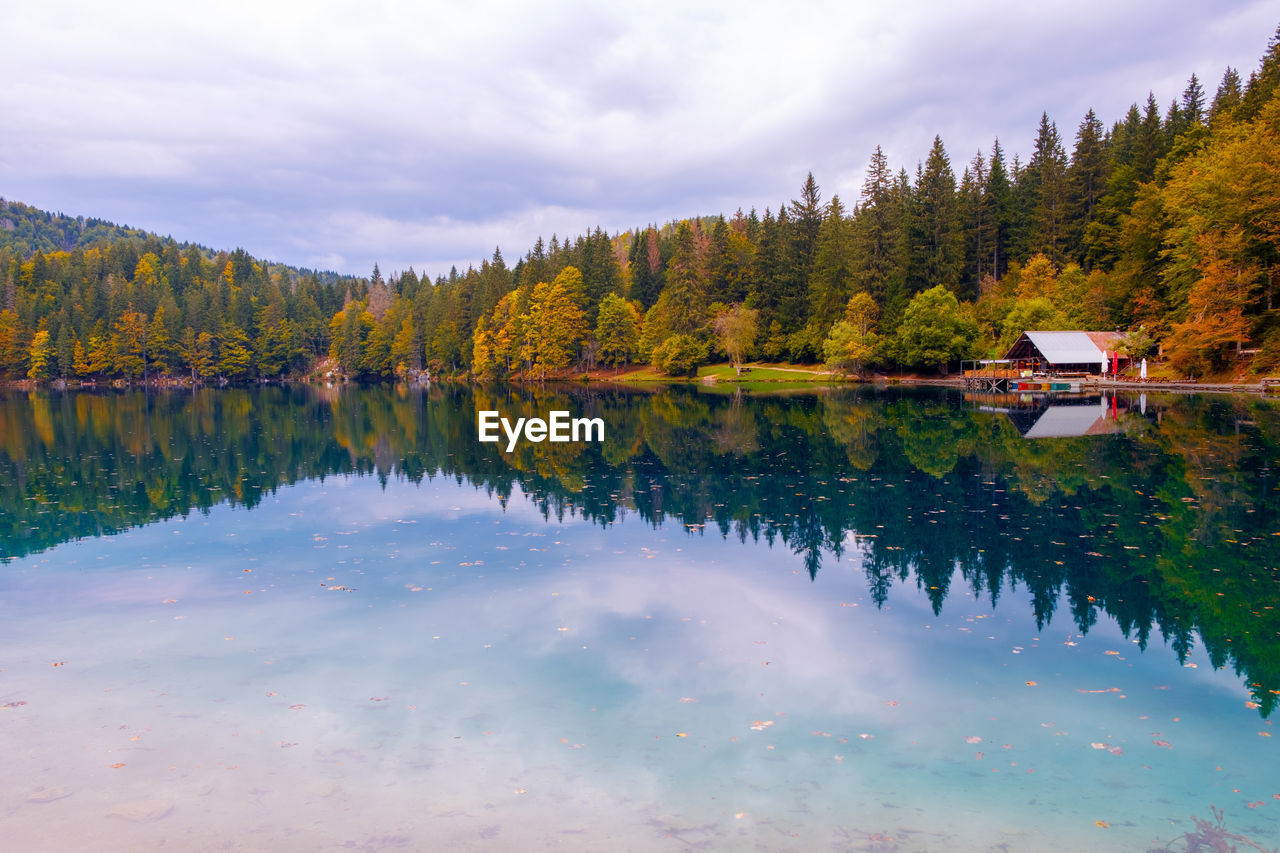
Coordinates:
1066 417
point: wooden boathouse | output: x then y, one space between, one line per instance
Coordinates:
1048 356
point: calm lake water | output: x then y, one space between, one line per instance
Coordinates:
330 619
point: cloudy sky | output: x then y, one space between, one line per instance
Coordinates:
334 134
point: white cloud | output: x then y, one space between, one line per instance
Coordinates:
436 131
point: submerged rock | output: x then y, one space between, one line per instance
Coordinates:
48 795
141 811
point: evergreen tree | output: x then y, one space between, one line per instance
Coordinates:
830 284
1046 183
1086 182
875 230
940 246
999 200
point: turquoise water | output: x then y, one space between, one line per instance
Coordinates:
391 638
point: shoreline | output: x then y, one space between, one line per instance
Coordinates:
813 378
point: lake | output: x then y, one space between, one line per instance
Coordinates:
311 618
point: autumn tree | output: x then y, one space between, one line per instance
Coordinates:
39 356
853 341
736 328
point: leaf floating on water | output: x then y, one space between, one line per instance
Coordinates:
866 736
682 734
973 739
1102 823
1163 743
1031 684
687 700
117 765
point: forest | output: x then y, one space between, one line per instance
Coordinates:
1164 225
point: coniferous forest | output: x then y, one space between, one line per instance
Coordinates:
1164 224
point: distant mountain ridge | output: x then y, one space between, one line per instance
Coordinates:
25 230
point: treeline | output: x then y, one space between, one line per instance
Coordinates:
1166 224
1163 527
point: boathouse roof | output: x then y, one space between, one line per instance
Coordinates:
1076 347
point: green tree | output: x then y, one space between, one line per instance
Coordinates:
679 355
934 330
935 245
159 344
617 330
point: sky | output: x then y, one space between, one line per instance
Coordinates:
334 135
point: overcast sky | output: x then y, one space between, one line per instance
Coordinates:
334 135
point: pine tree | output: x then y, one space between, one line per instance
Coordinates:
875 230
1086 183
830 284
999 202
1047 177
940 247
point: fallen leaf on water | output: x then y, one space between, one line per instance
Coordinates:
1264 734
973 739
740 815
1163 743
687 699
865 736
1102 823
117 765
1031 684
682 734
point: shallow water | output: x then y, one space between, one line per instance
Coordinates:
333 620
